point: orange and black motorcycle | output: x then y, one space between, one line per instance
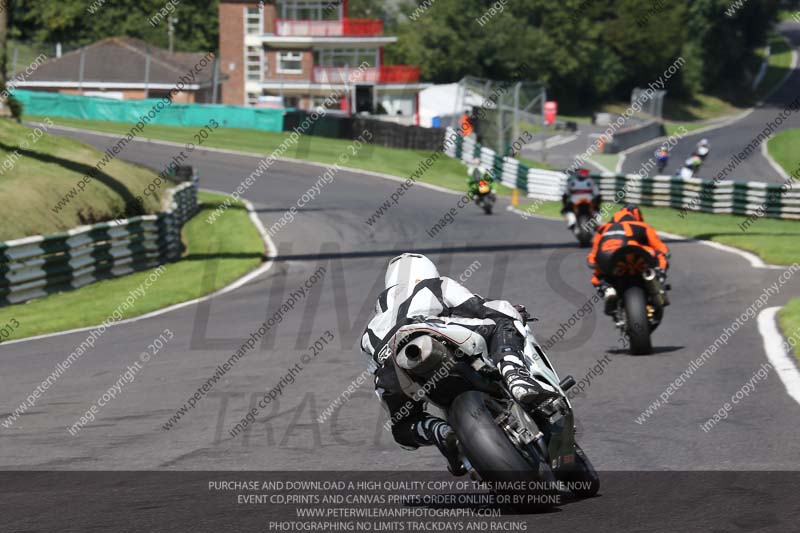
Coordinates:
633 273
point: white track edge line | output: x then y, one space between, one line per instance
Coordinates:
781 360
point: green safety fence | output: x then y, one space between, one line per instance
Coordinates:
92 108
732 197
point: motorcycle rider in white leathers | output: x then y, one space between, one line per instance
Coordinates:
414 292
580 186
703 149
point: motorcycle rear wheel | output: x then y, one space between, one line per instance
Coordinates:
583 234
489 449
638 326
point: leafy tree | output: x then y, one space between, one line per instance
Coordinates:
71 22
8 104
586 51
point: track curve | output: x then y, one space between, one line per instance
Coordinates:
534 262
734 137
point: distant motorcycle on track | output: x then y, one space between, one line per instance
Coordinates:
485 196
481 187
583 220
690 167
662 158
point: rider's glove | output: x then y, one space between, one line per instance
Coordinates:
523 312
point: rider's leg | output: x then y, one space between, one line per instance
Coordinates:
506 346
411 426
607 291
569 214
596 203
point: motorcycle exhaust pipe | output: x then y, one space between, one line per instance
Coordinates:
571 219
422 355
654 288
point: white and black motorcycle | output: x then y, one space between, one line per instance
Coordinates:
499 440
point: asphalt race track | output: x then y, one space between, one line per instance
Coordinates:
535 262
733 138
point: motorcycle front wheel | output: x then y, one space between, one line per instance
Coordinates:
580 476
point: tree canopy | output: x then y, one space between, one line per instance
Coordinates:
70 22
584 51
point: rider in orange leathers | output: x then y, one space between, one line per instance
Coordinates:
627 228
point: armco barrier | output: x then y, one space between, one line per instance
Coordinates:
624 139
36 266
738 198
732 197
538 183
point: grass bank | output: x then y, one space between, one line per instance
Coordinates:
785 150
37 170
229 248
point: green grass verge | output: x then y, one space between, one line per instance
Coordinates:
608 161
785 150
673 127
790 321
229 248
37 170
536 164
696 113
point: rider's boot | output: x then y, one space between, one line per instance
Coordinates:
525 388
610 297
432 430
571 219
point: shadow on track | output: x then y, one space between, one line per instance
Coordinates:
432 251
657 350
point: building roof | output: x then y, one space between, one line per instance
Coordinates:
120 61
